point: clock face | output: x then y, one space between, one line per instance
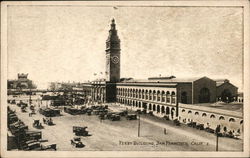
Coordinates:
115 59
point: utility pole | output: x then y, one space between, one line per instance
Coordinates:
217 130
217 142
139 124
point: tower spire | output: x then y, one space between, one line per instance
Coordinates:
113 54
113 38
112 24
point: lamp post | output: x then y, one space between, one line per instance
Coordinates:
217 140
217 130
139 125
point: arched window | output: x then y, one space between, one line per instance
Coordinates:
142 95
189 112
173 97
204 115
150 107
221 118
212 116
163 96
196 113
241 122
150 95
231 120
167 110
158 108
168 97
183 110
136 93
154 95
162 109
153 107
146 94
158 96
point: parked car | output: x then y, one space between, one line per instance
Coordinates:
13 102
131 117
48 121
37 124
115 117
200 126
48 147
33 145
80 131
76 141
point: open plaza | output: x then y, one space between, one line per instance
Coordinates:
156 134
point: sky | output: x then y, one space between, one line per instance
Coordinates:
67 43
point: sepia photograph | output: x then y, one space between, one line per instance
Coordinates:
128 78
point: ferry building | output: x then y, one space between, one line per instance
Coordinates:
171 96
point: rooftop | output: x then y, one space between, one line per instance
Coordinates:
170 79
230 109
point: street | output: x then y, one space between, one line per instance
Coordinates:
122 135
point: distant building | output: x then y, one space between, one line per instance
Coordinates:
57 86
240 97
226 91
22 82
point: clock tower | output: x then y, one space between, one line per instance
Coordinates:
113 55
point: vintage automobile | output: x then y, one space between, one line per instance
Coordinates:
17 127
102 116
33 135
123 113
13 102
192 124
89 111
200 126
177 122
76 141
12 119
32 145
138 111
48 147
21 103
72 111
210 130
49 112
48 121
131 117
80 131
37 124
115 117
